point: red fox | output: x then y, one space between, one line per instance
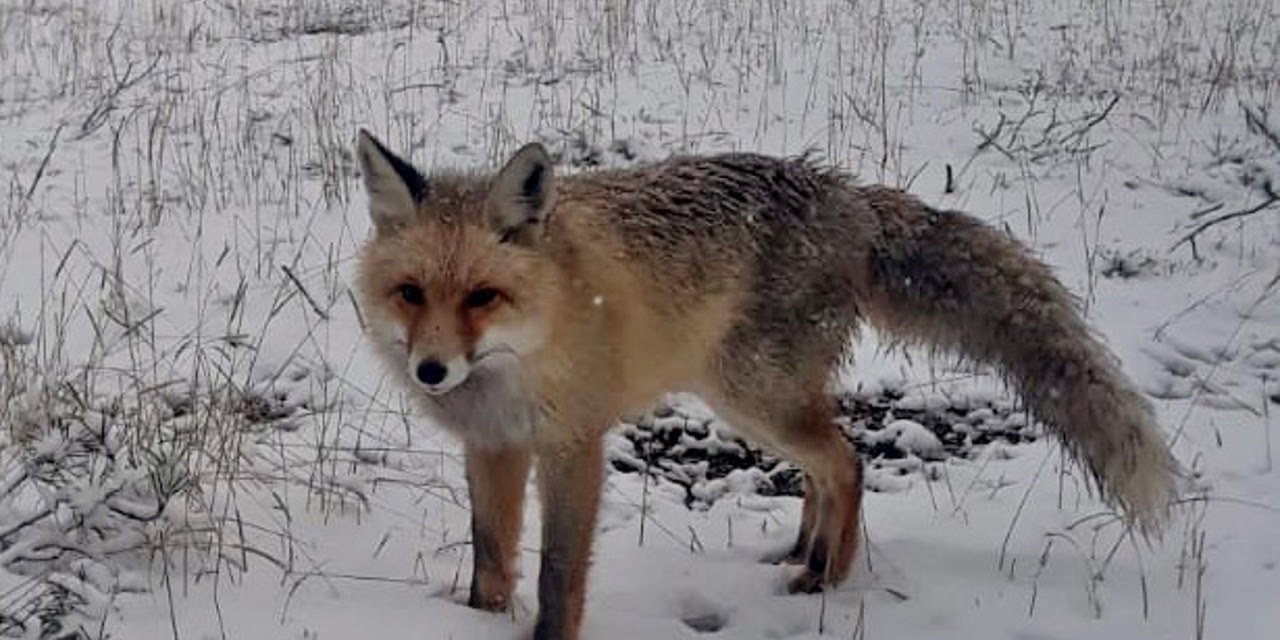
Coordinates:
528 312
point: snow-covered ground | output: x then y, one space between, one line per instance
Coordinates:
195 443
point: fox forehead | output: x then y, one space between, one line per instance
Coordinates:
435 255
449 260
458 197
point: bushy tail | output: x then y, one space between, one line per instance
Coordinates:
947 279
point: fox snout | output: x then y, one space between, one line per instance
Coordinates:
431 372
438 377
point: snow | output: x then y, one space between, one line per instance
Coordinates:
912 436
181 213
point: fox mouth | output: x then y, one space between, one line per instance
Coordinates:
491 352
482 366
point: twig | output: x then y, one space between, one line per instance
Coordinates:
1004 545
44 164
1223 218
1257 120
46 512
1095 120
305 294
1213 208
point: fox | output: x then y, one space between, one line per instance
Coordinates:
528 312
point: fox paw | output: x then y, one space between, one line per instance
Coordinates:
790 556
496 602
807 581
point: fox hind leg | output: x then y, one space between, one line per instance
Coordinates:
834 498
796 553
795 418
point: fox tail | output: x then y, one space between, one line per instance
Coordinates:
947 279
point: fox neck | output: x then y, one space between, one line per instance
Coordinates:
494 408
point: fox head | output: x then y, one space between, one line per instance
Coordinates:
453 281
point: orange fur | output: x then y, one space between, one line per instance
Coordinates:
496 481
738 277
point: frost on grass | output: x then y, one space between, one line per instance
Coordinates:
97 489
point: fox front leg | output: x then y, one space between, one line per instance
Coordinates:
496 481
569 479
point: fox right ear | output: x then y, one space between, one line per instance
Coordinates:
522 194
395 188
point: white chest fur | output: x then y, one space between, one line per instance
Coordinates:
491 408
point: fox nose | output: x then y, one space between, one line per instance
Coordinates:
431 372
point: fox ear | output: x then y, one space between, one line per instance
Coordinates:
521 195
395 188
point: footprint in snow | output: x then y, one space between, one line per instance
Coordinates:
701 614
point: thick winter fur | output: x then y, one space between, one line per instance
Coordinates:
739 277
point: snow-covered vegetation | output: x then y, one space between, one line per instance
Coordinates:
195 443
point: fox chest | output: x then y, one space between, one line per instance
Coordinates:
492 408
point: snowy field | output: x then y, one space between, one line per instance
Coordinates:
196 443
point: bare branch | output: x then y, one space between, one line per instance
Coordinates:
1224 218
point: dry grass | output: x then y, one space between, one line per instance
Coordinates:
177 189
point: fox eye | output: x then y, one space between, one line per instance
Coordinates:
411 293
481 297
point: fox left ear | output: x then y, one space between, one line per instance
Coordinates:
521 195
395 188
